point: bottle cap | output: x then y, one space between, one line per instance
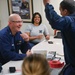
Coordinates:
12 69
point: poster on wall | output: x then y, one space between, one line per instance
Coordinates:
22 7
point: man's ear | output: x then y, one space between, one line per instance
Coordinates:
9 23
66 12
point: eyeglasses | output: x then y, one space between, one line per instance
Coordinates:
17 21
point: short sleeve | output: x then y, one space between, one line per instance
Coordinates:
28 28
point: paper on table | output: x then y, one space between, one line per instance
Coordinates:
43 52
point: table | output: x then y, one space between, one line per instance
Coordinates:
56 46
44 45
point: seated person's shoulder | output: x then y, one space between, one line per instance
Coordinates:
3 32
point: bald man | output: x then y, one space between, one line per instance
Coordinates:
12 40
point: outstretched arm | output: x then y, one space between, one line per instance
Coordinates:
55 20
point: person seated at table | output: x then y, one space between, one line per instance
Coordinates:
36 30
12 40
66 24
35 64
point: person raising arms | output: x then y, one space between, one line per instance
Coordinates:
66 24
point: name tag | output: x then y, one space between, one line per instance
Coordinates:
12 44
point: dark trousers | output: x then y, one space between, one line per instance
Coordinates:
68 70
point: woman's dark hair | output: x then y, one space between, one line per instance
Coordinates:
68 6
36 13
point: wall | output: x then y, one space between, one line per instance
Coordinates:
3 13
37 7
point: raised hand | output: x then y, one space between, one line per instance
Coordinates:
46 1
25 36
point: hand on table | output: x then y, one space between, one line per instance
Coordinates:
28 52
47 37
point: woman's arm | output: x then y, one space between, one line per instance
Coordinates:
34 37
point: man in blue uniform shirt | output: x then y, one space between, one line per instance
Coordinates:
66 24
12 40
